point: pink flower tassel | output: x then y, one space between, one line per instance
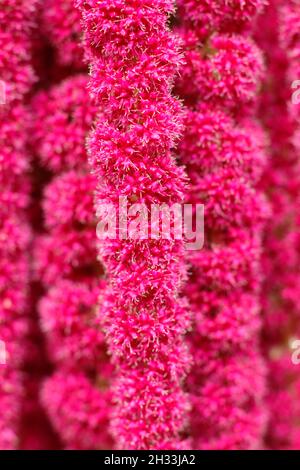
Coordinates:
61 26
223 148
16 80
133 58
76 397
278 35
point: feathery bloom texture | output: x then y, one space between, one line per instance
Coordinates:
215 15
237 395
17 77
79 409
16 19
225 71
60 133
223 149
68 318
278 35
289 35
61 26
133 58
76 396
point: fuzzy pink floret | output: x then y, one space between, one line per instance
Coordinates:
231 409
78 410
13 157
289 35
212 15
16 23
11 394
223 148
14 163
60 131
68 319
213 140
278 35
283 400
70 245
148 395
63 253
61 25
17 19
227 70
68 201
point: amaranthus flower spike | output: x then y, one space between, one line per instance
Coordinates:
66 262
133 58
17 77
223 148
278 35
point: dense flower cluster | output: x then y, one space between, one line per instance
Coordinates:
278 35
223 149
130 341
17 77
219 15
17 19
64 147
61 26
65 258
133 59
225 72
78 410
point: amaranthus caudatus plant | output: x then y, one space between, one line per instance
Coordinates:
223 148
124 342
278 35
76 396
130 152
17 18
66 262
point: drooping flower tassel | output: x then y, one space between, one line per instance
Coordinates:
16 80
61 26
223 150
76 396
278 35
133 58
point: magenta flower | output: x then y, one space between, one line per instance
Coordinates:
215 15
133 342
69 322
223 148
79 409
278 35
60 133
227 72
133 58
17 19
76 398
61 26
